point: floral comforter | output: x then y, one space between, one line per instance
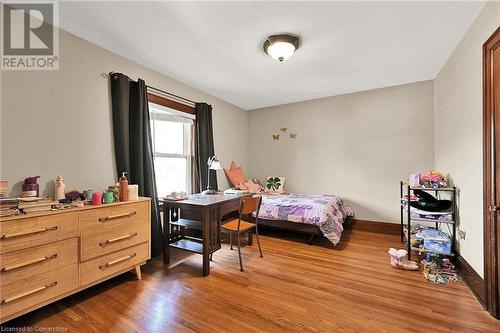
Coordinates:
328 212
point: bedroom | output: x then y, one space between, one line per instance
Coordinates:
374 92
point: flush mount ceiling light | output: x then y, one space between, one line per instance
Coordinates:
281 47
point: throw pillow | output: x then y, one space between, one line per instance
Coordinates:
252 187
275 184
235 174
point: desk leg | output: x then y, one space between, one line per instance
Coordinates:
206 221
166 235
250 238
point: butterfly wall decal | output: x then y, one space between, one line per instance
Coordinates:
283 129
293 135
276 136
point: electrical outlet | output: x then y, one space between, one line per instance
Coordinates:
461 234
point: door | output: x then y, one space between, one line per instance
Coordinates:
491 130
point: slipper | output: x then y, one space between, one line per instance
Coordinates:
398 260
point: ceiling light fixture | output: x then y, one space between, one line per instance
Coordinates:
281 47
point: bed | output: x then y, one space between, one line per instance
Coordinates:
315 215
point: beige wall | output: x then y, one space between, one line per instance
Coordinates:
59 122
357 146
458 129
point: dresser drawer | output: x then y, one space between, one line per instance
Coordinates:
32 231
96 269
23 294
19 265
95 220
113 237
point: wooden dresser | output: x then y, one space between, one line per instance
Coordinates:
47 256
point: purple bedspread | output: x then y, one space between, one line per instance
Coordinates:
328 212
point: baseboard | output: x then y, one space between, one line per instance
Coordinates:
374 226
471 278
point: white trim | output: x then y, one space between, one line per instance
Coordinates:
156 154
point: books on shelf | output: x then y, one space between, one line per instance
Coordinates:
37 206
8 206
14 206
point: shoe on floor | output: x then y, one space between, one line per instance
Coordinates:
399 261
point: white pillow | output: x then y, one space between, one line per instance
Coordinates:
275 185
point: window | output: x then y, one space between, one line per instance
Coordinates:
171 136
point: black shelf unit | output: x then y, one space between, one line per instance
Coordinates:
408 190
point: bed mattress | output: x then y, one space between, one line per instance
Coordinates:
327 212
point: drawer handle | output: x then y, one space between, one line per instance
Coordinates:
27 263
114 217
31 232
31 292
110 241
117 261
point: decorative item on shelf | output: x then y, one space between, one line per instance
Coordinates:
96 198
123 187
433 179
275 184
108 197
74 196
116 191
30 188
88 194
59 188
133 192
213 164
414 180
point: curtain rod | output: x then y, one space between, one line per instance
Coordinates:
170 94
106 75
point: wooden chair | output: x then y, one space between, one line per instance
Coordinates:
239 227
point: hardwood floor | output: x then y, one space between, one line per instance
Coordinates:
294 288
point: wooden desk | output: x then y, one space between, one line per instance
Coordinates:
198 208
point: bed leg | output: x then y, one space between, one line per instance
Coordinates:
310 241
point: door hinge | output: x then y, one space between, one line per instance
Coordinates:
493 208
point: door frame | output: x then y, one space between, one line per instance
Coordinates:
491 243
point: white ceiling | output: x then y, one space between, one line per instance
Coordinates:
217 46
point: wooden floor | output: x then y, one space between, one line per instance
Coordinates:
294 288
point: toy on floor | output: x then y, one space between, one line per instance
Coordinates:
439 269
398 260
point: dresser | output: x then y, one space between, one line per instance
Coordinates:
47 256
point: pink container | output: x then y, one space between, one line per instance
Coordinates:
96 198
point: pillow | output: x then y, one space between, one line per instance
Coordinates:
235 174
275 184
252 187
257 181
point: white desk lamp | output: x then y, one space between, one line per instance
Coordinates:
213 164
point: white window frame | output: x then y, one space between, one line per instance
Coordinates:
173 115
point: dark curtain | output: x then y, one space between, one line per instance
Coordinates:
204 147
133 146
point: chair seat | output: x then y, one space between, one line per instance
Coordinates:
232 225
